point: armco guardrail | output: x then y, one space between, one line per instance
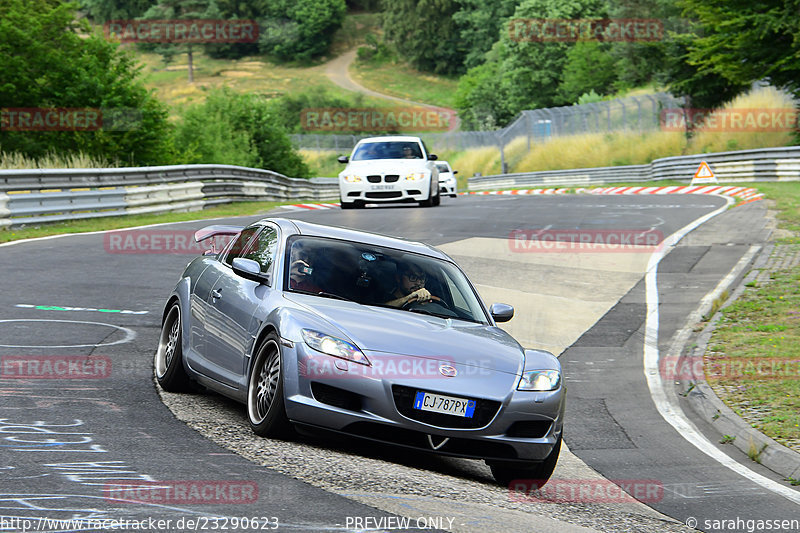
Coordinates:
33 196
767 164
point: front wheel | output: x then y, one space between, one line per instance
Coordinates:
266 411
538 472
168 361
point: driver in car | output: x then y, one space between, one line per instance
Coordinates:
410 286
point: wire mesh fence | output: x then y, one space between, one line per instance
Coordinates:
633 113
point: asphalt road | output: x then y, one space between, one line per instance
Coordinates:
67 443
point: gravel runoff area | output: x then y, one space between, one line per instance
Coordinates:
409 484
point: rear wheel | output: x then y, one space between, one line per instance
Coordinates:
168 361
266 410
537 472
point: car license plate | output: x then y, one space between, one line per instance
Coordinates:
438 403
382 187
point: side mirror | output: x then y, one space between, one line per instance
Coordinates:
343 159
432 157
455 172
501 312
249 269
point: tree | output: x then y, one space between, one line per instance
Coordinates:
529 72
479 25
104 10
590 67
180 10
237 129
300 30
425 34
743 42
51 60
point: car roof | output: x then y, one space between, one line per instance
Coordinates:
385 138
334 232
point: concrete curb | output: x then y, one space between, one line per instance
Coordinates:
709 407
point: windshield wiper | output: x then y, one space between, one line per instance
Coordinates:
323 294
334 296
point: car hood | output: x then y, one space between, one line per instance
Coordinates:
380 329
385 166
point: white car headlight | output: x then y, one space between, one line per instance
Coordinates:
539 380
334 346
352 178
415 176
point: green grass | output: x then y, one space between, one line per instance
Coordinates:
401 80
759 335
108 223
255 75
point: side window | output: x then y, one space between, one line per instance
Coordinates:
263 249
240 244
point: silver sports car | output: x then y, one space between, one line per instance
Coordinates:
317 327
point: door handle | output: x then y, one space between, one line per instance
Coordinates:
216 293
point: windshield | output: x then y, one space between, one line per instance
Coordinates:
379 276
442 167
387 150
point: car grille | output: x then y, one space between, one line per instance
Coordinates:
384 194
457 446
485 410
374 179
391 178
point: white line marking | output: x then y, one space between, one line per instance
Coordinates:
129 334
671 412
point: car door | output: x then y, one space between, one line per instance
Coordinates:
232 326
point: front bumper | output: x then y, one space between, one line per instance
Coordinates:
346 397
400 191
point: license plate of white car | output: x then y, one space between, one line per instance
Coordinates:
449 405
382 187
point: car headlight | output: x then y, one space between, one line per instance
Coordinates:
540 380
414 176
334 346
352 178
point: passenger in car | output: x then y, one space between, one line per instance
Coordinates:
410 286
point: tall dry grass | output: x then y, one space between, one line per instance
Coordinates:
767 98
17 161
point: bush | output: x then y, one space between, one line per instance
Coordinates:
237 129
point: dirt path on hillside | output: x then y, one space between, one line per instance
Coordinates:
338 71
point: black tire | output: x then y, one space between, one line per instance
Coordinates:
437 199
431 201
538 472
168 361
266 411
346 205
